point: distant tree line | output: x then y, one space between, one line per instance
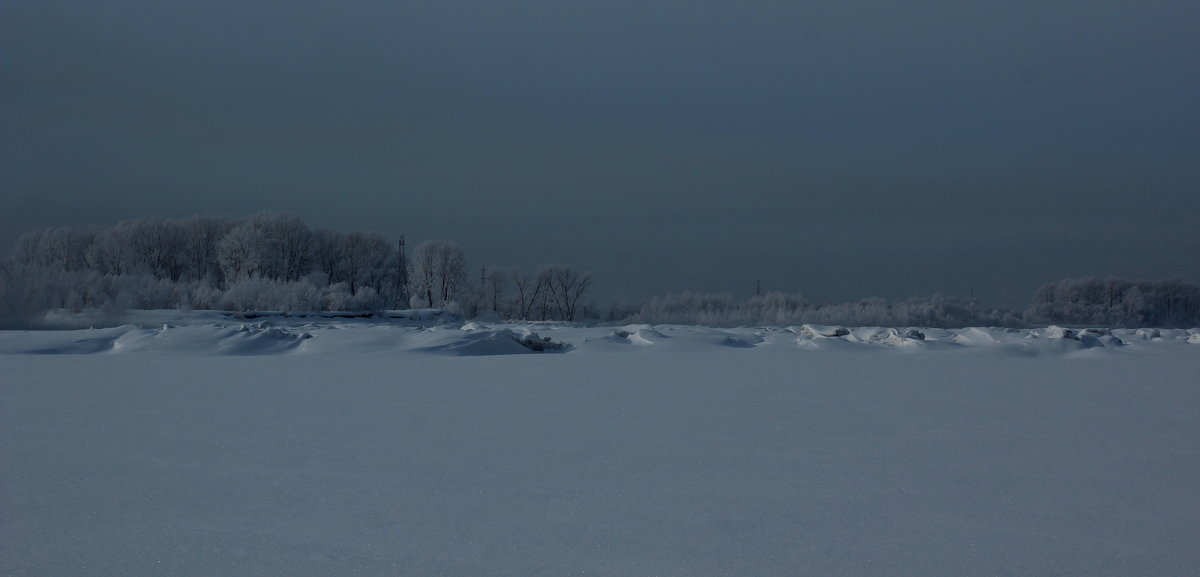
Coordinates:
1117 302
275 262
267 262
783 309
1085 301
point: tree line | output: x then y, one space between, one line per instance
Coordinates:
784 309
1113 302
275 262
1117 302
268 262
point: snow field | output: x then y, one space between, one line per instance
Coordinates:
289 447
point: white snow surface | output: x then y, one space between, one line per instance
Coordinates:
201 444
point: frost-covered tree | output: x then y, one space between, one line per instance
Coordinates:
266 260
154 246
273 246
292 242
1117 302
200 237
59 248
110 252
366 261
439 271
244 252
270 261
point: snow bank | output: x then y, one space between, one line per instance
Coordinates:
418 332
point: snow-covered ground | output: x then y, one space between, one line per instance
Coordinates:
199 444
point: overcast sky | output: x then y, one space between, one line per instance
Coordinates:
840 149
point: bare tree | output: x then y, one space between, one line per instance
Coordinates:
495 282
564 288
439 271
292 241
327 257
109 253
199 238
529 291
424 275
366 259
155 246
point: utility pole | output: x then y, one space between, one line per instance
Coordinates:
402 277
758 288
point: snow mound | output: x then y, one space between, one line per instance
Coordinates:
636 335
497 342
974 337
1100 337
1060 340
1147 334
93 341
741 341
261 340
1057 332
247 339
537 343
1086 338
821 331
253 339
1194 338
896 337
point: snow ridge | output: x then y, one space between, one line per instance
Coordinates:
221 334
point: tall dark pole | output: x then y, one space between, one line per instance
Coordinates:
402 277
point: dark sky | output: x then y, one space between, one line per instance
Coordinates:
839 149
